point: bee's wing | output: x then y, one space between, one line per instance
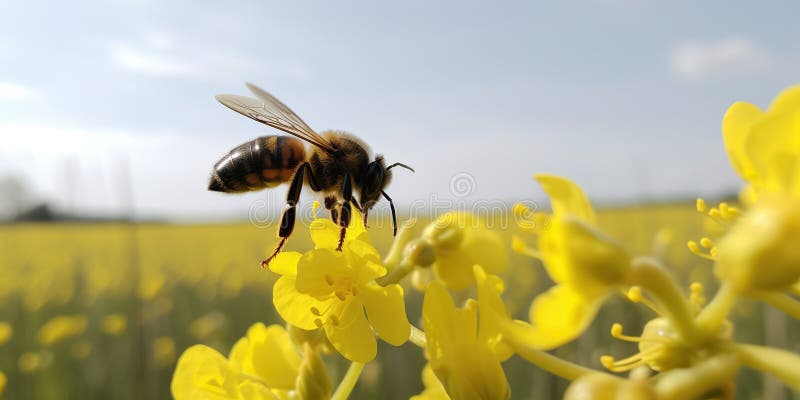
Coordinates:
272 112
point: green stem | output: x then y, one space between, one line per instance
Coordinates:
780 301
650 275
693 382
395 254
348 382
549 362
714 314
396 275
782 364
418 337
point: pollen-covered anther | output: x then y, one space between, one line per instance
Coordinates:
635 295
341 294
334 320
696 296
329 280
315 311
695 249
519 246
706 242
700 204
616 332
318 323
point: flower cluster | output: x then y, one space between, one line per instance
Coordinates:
341 301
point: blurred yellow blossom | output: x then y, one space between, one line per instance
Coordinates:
328 289
262 365
460 352
205 326
115 324
760 251
433 388
61 327
30 362
6 332
203 373
460 240
164 351
267 352
81 350
586 264
3 381
763 147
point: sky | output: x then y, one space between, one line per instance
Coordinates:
107 107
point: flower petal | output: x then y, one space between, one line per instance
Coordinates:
295 307
453 267
267 352
285 263
325 233
560 315
446 326
787 101
386 311
491 311
736 125
774 148
318 270
352 336
203 373
566 198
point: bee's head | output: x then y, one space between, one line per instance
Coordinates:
376 178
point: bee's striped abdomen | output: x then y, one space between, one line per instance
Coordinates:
258 164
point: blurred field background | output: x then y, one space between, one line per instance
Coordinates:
102 310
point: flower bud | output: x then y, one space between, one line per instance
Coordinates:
313 381
420 253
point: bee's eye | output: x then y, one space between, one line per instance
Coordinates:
373 179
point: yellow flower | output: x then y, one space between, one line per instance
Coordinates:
760 252
461 240
463 354
764 147
204 374
328 289
585 264
3 381
205 326
433 388
6 332
599 386
114 324
262 365
268 353
61 327
164 351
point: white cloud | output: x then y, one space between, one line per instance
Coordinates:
152 63
724 58
10 91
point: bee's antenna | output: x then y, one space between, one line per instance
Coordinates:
391 205
397 164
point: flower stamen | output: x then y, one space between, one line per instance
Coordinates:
519 246
635 295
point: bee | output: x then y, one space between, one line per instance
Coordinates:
337 165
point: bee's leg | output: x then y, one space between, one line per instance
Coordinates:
394 214
289 214
330 205
344 212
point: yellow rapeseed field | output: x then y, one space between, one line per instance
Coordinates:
102 310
